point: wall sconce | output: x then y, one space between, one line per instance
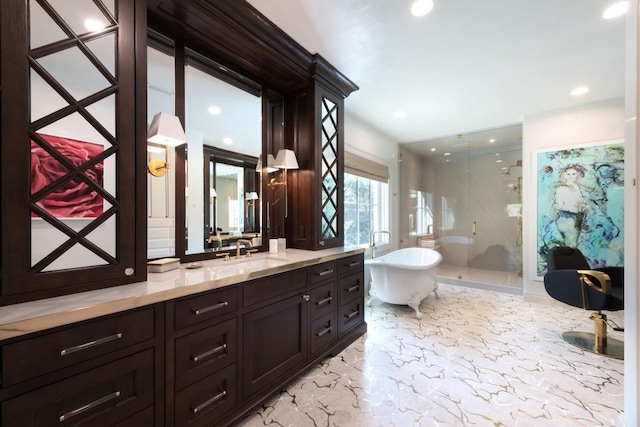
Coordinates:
167 130
251 197
270 164
285 160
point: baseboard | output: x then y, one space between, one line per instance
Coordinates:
621 421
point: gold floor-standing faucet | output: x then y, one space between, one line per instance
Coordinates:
372 244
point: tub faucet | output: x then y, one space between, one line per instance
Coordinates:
373 241
246 243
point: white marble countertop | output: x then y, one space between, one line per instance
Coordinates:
28 317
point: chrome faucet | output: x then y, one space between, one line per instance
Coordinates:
246 243
373 241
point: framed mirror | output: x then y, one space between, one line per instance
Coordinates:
211 195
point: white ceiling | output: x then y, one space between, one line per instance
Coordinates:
468 65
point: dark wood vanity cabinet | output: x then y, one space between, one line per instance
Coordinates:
256 337
201 360
103 372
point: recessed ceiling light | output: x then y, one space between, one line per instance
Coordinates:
491 141
579 91
400 114
447 154
616 9
433 149
214 110
421 7
227 141
497 154
93 25
499 161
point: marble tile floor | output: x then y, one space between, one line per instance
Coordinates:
477 358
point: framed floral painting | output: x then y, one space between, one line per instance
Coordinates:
580 192
77 197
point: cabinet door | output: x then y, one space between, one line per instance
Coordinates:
69 149
330 223
275 341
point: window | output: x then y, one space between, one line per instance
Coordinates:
421 217
366 204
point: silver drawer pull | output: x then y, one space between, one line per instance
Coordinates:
353 264
208 402
353 288
89 406
90 344
324 273
327 300
352 314
209 353
211 308
324 332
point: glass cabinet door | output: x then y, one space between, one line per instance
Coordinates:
331 217
68 111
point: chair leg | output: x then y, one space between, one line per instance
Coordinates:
600 335
597 342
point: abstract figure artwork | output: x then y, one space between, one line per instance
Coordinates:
581 203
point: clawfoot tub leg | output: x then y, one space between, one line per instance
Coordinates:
372 295
435 289
414 303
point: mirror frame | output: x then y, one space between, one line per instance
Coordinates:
251 178
186 56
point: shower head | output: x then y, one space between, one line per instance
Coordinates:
507 171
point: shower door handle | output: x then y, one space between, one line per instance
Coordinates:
474 228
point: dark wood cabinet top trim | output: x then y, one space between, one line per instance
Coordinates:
235 34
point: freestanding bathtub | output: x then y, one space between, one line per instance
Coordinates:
405 276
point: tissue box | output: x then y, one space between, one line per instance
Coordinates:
162 265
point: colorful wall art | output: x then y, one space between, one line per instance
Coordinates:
581 203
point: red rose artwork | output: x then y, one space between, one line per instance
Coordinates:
75 199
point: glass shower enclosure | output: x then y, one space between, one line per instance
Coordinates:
463 199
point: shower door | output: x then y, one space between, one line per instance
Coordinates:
495 221
478 205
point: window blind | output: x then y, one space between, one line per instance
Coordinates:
356 165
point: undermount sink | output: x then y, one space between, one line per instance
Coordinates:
247 265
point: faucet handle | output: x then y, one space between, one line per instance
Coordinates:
225 255
250 251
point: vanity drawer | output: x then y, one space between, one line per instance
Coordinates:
351 287
203 352
34 357
207 400
350 315
351 265
322 272
323 300
103 396
264 290
205 306
323 332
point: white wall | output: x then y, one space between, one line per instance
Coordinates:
363 140
631 415
585 124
